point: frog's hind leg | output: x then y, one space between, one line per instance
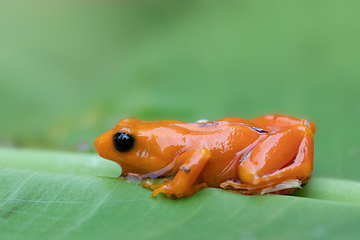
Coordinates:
280 122
282 162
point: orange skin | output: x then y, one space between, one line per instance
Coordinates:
269 154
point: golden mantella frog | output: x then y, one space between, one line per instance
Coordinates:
268 154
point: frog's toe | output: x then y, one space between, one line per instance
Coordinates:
156 192
150 185
163 188
286 187
239 187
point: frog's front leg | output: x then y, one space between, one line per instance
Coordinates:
183 183
282 162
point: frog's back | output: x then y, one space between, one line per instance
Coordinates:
220 131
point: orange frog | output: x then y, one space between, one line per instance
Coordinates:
269 154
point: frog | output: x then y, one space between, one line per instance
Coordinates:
270 154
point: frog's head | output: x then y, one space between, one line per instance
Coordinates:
133 144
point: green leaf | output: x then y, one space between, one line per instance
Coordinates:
81 204
69 70
60 162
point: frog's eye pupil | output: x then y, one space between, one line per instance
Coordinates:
123 142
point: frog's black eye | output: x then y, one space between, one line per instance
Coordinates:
123 142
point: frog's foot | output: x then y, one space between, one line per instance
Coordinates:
279 164
172 190
148 184
152 186
286 187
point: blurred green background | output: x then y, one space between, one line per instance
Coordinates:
69 70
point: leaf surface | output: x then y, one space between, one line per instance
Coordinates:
57 205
